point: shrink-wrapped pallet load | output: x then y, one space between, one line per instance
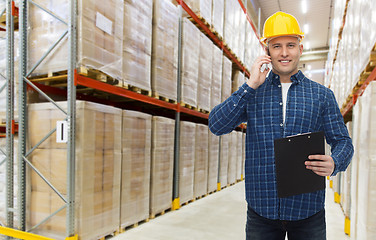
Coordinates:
239 160
216 83
202 8
229 28
99 36
366 200
187 161
217 16
237 80
165 49
226 78
213 159
224 159
190 51
201 161
135 173
162 162
137 43
97 170
204 73
232 157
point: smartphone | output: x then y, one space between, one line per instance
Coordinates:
265 66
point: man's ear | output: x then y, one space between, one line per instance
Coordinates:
301 48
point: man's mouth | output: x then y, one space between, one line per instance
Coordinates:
285 62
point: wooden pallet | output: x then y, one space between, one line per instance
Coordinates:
188 202
98 75
162 98
109 235
127 227
214 31
188 106
202 110
152 216
137 90
56 79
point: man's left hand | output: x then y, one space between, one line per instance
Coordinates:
323 167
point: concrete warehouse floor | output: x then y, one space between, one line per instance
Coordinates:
221 215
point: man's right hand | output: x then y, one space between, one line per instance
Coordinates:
257 77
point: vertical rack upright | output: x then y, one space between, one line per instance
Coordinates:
71 34
10 127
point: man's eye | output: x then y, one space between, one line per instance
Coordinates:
291 45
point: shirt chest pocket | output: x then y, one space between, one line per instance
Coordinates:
305 112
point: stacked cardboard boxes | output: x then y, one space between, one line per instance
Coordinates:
98 166
162 160
135 168
201 161
224 159
137 43
226 78
100 36
165 49
187 161
213 160
204 73
190 53
216 83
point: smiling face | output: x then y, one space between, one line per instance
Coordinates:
285 53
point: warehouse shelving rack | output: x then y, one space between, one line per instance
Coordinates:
73 80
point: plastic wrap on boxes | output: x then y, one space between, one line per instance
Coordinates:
162 161
226 78
237 80
201 161
97 176
204 73
217 16
216 84
99 36
137 43
366 200
187 161
224 159
213 158
232 157
165 49
229 28
239 160
191 36
135 173
202 8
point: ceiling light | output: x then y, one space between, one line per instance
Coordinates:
306 28
308 46
309 67
304 6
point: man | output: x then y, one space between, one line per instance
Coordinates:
277 105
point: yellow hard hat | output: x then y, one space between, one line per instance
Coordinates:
281 24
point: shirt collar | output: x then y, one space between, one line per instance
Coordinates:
296 78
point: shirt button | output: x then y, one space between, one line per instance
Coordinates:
234 105
280 103
245 90
279 85
281 124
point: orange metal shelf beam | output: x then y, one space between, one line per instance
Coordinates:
359 92
95 84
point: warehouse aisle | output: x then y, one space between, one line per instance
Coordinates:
218 216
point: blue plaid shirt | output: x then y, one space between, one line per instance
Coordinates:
310 107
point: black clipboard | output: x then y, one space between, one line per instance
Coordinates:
290 154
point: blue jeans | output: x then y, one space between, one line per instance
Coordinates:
260 228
